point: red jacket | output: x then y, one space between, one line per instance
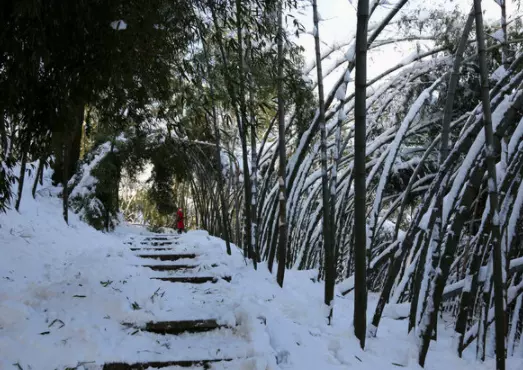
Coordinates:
180 224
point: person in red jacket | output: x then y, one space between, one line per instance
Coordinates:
180 225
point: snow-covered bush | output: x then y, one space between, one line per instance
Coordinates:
94 194
7 178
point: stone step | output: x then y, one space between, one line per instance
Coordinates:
206 364
179 327
193 279
162 237
168 257
170 267
157 243
152 249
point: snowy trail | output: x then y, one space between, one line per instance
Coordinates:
66 292
210 301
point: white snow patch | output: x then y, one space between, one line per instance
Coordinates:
119 25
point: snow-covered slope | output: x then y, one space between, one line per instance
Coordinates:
66 289
63 288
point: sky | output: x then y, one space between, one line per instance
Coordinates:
339 26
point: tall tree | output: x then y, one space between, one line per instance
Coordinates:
499 294
224 219
438 281
242 129
328 237
360 219
282 224
254 152
504 41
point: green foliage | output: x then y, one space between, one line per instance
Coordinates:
95 187
182 166
72 82
140 208
170 162
108 175
57 57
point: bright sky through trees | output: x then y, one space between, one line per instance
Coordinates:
338 25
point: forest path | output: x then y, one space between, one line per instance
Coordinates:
198 330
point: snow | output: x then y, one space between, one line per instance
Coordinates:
347 77
424 15
515 139
514 216
350 54
499 35
467 286
119 25
410 58
406 277
425 219
340 92
516 263
87 181
397 311
461 284
346 286
384 253
342 115
499 73
315 31
513 326
502 108
67 288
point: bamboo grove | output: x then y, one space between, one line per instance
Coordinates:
405 185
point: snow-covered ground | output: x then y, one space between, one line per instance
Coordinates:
65 290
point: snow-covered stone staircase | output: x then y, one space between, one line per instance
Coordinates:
203 343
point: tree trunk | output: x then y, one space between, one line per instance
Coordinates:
76 139
67 144
329 262
41 177
504 47
230 90
493 194
436 217
360 219
237 209
451 91
65 181
38 175
483 322
467 298
12 139
254 159
445 263
516 313
417 281
242 127
224 208
272 245
3 133
282 242
21 178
